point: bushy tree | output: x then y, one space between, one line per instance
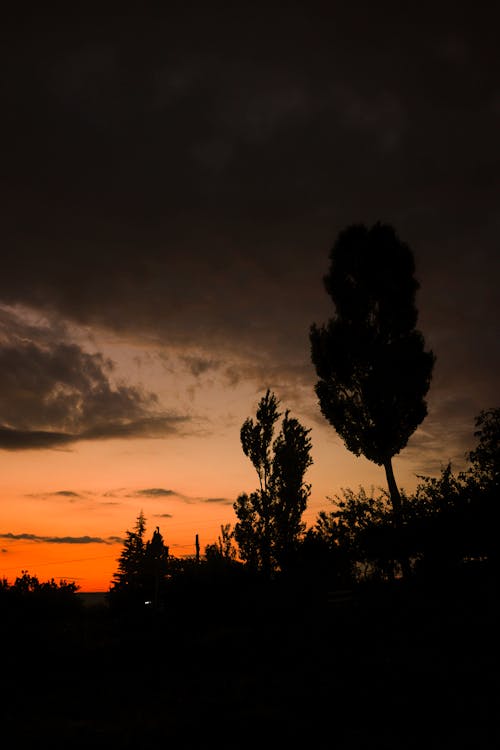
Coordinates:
31 596
485 458
270 518
374 371
359 531
451 521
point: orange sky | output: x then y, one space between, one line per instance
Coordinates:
173 184
94 490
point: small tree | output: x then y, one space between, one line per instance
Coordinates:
269 519
373 369
223 550
142 566
156 563
131 561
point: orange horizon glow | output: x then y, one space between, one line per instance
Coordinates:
91 566
36 504
64 510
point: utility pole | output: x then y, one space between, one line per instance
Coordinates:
197 545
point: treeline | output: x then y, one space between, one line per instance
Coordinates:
446 535
27 596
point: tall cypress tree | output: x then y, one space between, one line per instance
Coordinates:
373 369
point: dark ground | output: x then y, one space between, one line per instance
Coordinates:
391 668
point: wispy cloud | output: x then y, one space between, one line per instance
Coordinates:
62 494
60 539
155 492
219 500
159 492
199 365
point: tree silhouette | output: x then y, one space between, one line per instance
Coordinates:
156 563
374 372
482 488
269 519
30 596
348 527
223 550
131 560
485 458
142 566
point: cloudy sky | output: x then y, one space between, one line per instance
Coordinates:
172 183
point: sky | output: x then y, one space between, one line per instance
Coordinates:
173 180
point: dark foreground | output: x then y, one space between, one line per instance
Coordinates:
389 668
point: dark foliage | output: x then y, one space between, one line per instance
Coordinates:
143 569
28 597
269 524
485 458
373 369
449 530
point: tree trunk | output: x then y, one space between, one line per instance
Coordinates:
394 492
266 540
397 511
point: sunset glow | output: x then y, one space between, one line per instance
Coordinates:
172 190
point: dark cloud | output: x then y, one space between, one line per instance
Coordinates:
155 492
160 492
162 515
65 494
59 383
179 176
147 427
15 440
151 427
53 393
200 365
59 539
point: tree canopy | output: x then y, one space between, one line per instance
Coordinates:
485 458
373 369
270 519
